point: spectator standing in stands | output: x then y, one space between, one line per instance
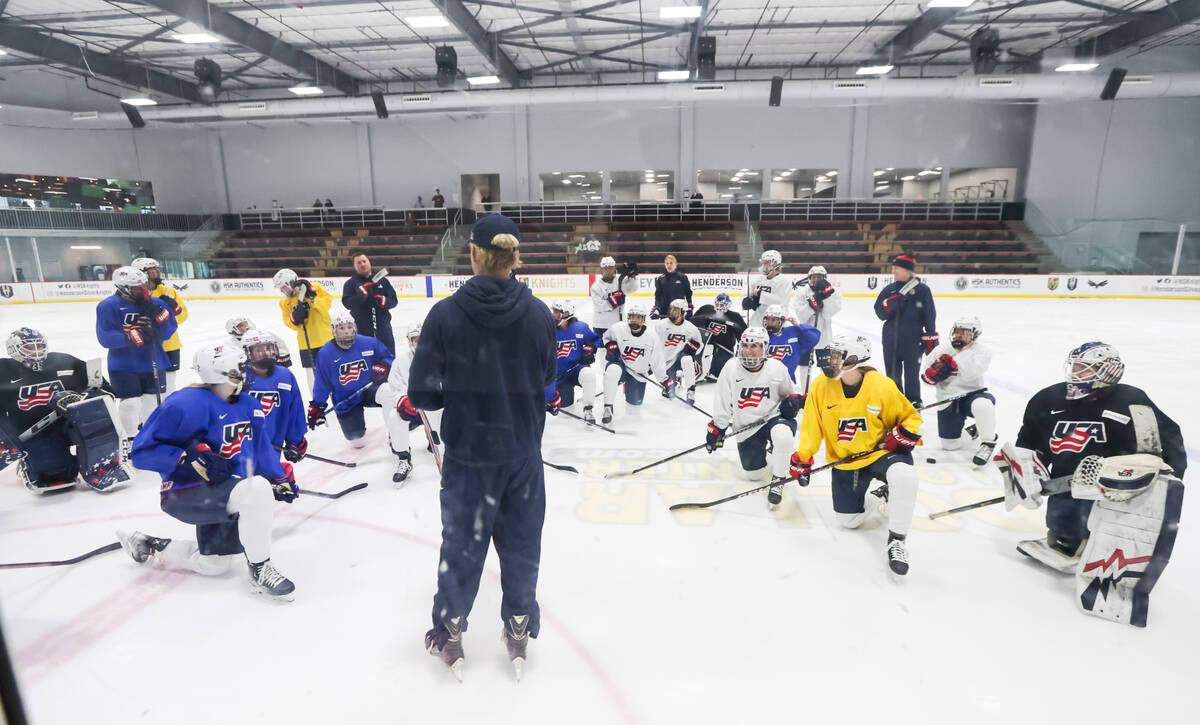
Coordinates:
317 203
672 285
909 325
420 204
439 201
329 207
370 303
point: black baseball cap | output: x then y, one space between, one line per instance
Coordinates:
487 227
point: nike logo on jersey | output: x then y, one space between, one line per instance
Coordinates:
267 398
222 417
751 397
1056 412
1072 436
32 396
779 352
850 427
232 436
831 407
674 339
349 372
15 381
565 347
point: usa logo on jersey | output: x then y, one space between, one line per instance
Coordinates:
751 397
232 436
674 339
779 352
349 372
633 353
850 427
268 398
31 396
1072 436
717 328
565 347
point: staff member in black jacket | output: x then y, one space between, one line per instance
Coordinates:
486 356
370 303
909 325
671 286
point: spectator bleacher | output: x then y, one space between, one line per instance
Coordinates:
325 252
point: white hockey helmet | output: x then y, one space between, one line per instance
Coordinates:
636 308
413 333
965 322
770 260
28 347
130 282
753 336
284 281
679 304
144 263
852 352
252 339
566 308
774 312
1090 367
237 326
817 269
342 322
219 363
608 262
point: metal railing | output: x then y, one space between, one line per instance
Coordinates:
875 210
336 218
569 212
99 220
450 234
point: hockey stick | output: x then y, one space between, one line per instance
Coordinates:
676 396
1062 484
693 449
339 494
65 562
560 467
569 414
40 426
343 464
774 482
437 454
154 368
374 321
968 507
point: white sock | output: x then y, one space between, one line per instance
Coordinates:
783 443
902 496
185 554
984 412
148 403
587 381
251 499
612 378
171 381
129 411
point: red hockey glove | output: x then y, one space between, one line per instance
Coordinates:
800 469
899 440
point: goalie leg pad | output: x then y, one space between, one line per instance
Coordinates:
1130 546
93 430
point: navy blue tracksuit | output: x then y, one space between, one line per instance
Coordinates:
905 319
487 354
370 304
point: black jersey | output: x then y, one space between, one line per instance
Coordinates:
722 328
1064 432
25 394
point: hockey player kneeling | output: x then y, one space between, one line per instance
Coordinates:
48 404
855 409
1114 526
219 473
350 368
760 390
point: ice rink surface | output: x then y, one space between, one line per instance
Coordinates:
731 614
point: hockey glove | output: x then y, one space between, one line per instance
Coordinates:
655 314
631 269
284 487
208 464
790 406
690 310
616 299
942 368
380 301
554 404
587 355
153 313
316 416
306 287
613 354
900 441
891 304
365 289
300 313
714 438
405 409
284 360
135 333
800 468
691 348
294 452
750 303
822 290
379 372
176 308
930 341
668 388
815 303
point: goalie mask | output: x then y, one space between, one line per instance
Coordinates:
1091 367
28 347
843 354
752 349
722 302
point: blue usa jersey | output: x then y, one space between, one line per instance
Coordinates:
113 313
789 346
345 373
571 342
282 405
234 431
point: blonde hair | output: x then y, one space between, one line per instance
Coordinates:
671 257
498 261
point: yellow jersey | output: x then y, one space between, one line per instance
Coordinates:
317 323
174 300
853 425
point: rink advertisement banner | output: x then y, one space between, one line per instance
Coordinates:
704 286
71 291
16 293
1042 286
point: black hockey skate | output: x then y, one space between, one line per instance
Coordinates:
972 431
266 579
775 494
516 640
897 556
984 454
446 642
403 468
607 415
588 416
141 547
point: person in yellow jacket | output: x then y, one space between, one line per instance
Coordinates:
154 283
305 307
856 410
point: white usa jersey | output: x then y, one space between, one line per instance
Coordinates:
604 315
397 378
972 363
675 338
774 291
820 319
745 397
639 353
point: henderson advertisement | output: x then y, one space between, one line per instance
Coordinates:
704 287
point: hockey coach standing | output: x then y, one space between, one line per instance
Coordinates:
909 325
486 356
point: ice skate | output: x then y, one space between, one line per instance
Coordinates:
516 640
691 395
897 556
588 417
139 546
984 454
403 468
774 494
1056 552
266 579
607 415
446 642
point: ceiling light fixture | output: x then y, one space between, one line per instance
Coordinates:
679 12
1076 67
196 38
305 90
907 178
483 80
674 75
427 21
86 246
874 70
139 101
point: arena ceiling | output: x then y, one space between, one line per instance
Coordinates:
353 47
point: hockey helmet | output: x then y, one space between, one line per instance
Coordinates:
608 262
636 308
774 312
1090 367
237 326
965 322
413 334
251 339
144 263
752 347
344 329
817 270
770 260
722 302
679 304
566 308
28 347
850 352
219 363
284 281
